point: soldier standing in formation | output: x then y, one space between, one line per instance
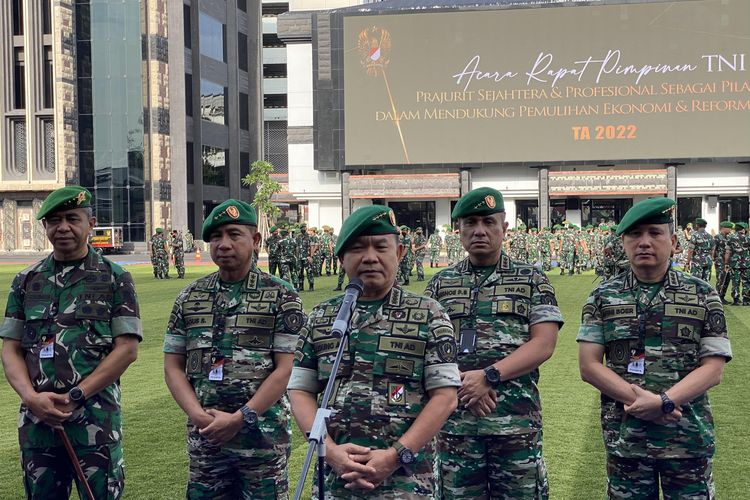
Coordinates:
737 259
615 260
722 271
71 329
178 254
189 242
272 248
328 242
699 260
287 257
506 318
152 253
228 349
663 337
404 265
160 254
436 244
397 382
419 247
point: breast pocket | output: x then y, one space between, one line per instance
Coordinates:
680 344
397 385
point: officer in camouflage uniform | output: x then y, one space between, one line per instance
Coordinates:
722 272
397 381
545 248
272 248
161 252
663 337
506 318
178 253
326 243
189 242
405 264
313 258
152 254
229 348
737 259
67 316
701 250
419 247
287 257
615 260
436 243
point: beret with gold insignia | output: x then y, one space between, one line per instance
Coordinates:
480 201
366 221
66 198
158 230
701 222
651 211
229 212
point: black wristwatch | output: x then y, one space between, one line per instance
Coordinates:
492 376
77 396
406 457
667 405
249 415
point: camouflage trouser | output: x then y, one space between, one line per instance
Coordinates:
419 260
48 473
310 270
162 265
434 258
702 271
634 478
318 263
741 284
299 267
154 264
342 275
287 272
218 472
722 278
331 261
273 266
179 263
497 467
546 261
403 270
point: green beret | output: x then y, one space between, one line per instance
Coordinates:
66 198
701 222
604 228
158 230
284 231
533 229
229 212
651 211
366 221
740 225
480 201
727 224
557 226
404 227
272 229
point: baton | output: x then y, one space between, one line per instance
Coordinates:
76 465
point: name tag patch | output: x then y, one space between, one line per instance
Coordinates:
198 320
253 320
685 311
402 346
619 311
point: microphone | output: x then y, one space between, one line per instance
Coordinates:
351 295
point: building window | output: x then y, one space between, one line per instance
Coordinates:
215 168
272 40
276 145
48 129
212 38
274 70
186 26
48 95
244 112
47 17
213 102
19 72
17 12
188 94
189 163
242 5
242 50
19 147
244 165
274 101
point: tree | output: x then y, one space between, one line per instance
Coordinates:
266 187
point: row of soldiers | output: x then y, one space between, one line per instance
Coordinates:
296 252
162 245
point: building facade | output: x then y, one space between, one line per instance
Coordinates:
84 102
341 157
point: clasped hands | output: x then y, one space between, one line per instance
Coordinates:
647 406
360 467
475 394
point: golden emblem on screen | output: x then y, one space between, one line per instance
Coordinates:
374 48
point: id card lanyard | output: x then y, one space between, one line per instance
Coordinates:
220 309
468 334
644 305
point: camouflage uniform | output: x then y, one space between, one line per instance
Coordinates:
159 249
79 310
239 326
569 252
615 261
682 323
189 242
738 247
313 263
326 248
545 254
701 243
178 253
419 255
154 263
302 265
720 240
436 242
405 265
272 247
400 348
501 453
287 258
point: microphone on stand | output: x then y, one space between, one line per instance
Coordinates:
351 295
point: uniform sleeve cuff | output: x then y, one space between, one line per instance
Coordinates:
304 379
127 325
12 329
441 375
715 346
285 343
588 333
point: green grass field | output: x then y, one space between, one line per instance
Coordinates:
155 456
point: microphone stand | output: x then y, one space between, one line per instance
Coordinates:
318 431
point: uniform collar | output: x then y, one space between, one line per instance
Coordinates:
503 264
671 281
